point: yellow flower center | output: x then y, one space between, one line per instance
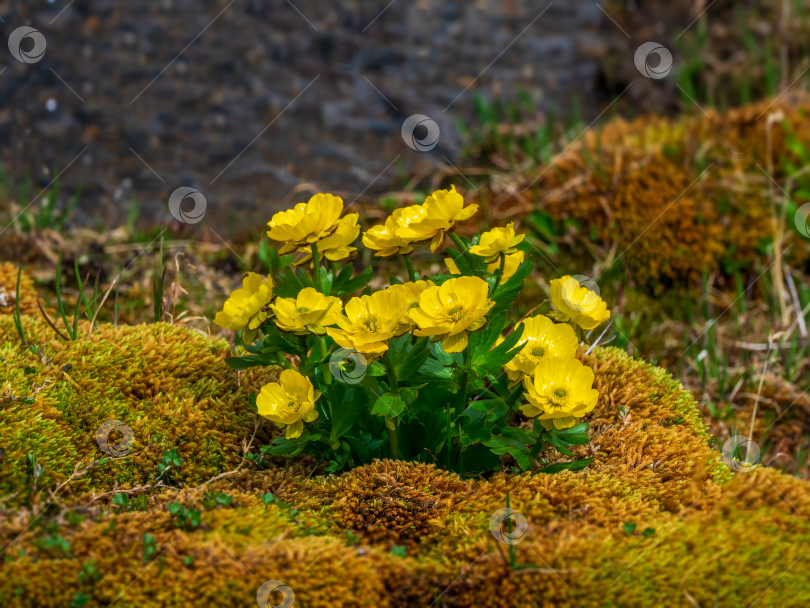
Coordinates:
302 311
538 351
559 396
370 322
456 313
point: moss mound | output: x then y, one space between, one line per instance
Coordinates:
679 198
657 518
8 291
168 385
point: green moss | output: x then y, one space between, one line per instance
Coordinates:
716 536
169 385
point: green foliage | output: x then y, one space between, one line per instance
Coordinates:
150 547
170 462
44 211
213 499
187 518
420 398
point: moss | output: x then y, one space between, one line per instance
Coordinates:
676 198
715 535
8 291
171 386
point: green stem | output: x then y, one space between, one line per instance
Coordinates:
316 266
393 436
463 247
447 437
461 244
327 375
462 402
461 471
411 271
503 264
392 422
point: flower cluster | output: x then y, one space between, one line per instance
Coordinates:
431 363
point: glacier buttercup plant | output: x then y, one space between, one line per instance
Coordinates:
429 368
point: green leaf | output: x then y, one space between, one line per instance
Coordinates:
505 295
523 435
576 435
344 286
406 358
327 278
577 429
409 393
501 354
289 282
474 426
347 405
494 408
516 449
577 465
398 550
282 446
245 362
438 370
388 404
629 527
376 369
482 341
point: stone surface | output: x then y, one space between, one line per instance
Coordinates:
245 100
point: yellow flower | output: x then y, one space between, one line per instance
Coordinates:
305 223
496 242
310 312
430 220
246 307
509 268
336 246
578 303
369 321
559 391
541 339
513 260
409 298
384 240
448 311
289 402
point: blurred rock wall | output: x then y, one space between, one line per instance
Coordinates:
244 100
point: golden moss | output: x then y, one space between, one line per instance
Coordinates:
8 291
678 198
657 519
169 385
388 500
